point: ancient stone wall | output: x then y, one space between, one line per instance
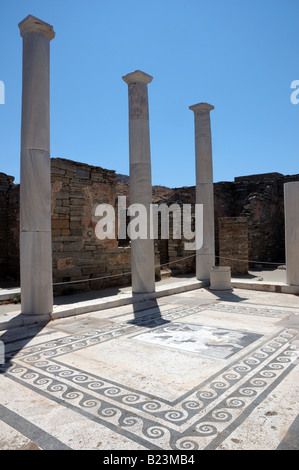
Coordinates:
14 231
9 228
224 206
181 261
258 198
78 255
233 244
5 182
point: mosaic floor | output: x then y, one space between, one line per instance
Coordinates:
172 380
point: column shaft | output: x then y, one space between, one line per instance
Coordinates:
35 181
291 211
142 250
205 256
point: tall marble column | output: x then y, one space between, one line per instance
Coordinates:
35 184
142 250
291 214
205 256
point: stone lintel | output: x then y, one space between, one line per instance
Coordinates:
201 108
137 77
31 24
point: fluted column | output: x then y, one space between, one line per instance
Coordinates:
291 214
35 184
205 256
142 250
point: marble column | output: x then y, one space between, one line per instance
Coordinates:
205 256
291 214
142 250
35 184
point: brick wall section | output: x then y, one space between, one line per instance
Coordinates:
224 205
14 232
5 182
258 198
233 243
9 228
265 215
181 261
78 254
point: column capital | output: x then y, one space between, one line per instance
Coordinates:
201 108
137 77
31 24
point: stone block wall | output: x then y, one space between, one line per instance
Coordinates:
5 182
14 231
181 261
224 206
233 243
78 254
265 214
260 199
9 228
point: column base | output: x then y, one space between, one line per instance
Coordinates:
36 273
220 278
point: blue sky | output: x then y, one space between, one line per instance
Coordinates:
239 55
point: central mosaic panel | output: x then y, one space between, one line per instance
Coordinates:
215 342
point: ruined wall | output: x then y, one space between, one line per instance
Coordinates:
233 244
224 206
78 254
9 228
5 182
14 231
172 251
259 199
181 261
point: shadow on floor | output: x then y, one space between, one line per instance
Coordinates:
15 339
150 317
82 296
291 439
226 295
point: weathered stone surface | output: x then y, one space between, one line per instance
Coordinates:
9 216
291 197
233 244
143 255
80 254
35 188
259 200
205 255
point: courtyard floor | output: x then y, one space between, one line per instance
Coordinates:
196 370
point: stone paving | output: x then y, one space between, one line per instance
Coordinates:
198 370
